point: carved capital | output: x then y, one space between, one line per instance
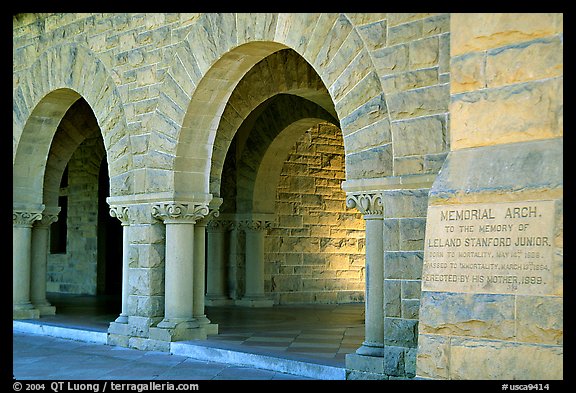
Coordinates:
206 220
369 204
173 212
47 219
219 225
25 218
254 225
49 216
120 212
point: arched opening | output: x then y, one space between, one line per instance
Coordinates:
84 260
278 169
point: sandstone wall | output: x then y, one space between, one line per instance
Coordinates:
315 250
506 112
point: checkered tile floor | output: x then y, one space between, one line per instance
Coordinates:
318 343
320 333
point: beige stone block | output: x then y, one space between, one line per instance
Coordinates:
516 113
423 53
373 135
478 315
473 32
467 72
346 58
256 26
362 18
437 24
374 34
405 17
539 59
540 319
499 360
432 360
391 59
369 87
291 221
419 102
410 80
405 32
333 40
424 135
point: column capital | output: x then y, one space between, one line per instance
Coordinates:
24 218
208 218
121 212
368 203
254 225
49 216
180 212
219 225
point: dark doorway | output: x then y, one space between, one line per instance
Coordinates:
109 241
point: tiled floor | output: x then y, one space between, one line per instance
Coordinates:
319 333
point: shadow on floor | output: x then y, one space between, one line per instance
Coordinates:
320 333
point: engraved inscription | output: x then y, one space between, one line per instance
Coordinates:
504 248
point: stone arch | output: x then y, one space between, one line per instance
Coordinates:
284 72
74 128
58 78
269 144
220 49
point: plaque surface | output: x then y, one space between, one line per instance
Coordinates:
501 248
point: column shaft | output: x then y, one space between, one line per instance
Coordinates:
199 272
374 302
122 214
216 266
254 295
22 308
40 248
254 264
179 278
21 253
123 317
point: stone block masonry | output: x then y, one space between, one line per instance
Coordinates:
315 251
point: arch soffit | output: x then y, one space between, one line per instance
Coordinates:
220 49
60 76
282 72
277 132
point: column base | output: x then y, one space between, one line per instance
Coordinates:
217 301
254 302
364 367
207 325
25 311
123 319
119 333
371 349
177 330
45 308
391 365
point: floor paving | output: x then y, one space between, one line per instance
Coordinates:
255 344
38 357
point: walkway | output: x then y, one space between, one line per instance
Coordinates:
39 357
309 341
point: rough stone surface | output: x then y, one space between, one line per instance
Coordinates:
433 108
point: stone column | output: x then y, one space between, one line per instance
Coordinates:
22 220
216 264
40 249
254 294
198 304
370 356
179 322
122 213
370 205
